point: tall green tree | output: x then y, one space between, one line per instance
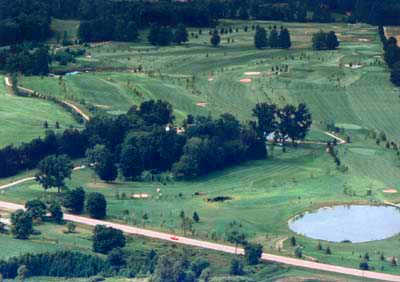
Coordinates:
56 213
284 39
395 74
21 224
131 163
74 200
215 38
53 171
96 205
36 209
266 115
181 35
332 41
260 38
273 40
392 55
105 239
252 253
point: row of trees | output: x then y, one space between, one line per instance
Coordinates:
141 141
325 41
391 56
274 39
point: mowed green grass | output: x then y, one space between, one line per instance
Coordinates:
195 72
23 118
265 195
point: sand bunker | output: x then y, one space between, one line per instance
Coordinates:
245 80
210 79
353 66
363 40
252 73
201 104
390 191
140 196
102 106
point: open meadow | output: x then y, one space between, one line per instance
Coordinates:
349 87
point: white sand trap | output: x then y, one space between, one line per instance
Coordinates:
201 104
102 106
353 66
245 80
140 196
363 40
390 191
252 73
210 79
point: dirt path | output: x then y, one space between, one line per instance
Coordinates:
23 180
217 247
341 141
76 109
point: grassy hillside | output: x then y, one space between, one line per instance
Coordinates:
23 118
350 85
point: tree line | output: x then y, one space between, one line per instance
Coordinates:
144 139
391 55
29 20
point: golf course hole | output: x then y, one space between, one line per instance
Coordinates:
350 223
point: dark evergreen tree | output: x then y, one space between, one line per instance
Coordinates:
284 39
332 41
395 74
215 39
273 40
260 38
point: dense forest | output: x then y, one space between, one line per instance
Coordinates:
29 20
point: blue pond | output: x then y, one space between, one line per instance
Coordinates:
355 223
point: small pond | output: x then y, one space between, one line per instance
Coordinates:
355 223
